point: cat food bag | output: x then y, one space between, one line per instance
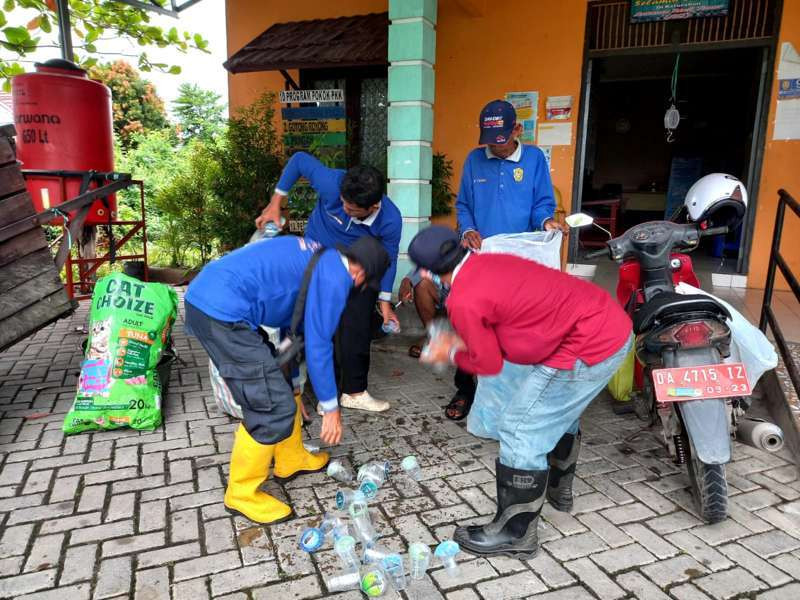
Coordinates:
129 328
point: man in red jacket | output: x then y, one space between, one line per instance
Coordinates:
553 341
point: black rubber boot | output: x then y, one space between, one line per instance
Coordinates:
520 495
563 460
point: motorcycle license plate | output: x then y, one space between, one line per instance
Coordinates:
699 382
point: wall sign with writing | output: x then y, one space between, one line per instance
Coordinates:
665 10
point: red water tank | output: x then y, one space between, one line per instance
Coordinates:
63 122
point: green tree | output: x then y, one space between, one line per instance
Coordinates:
188 207
136 106
90 20
199 112
250 159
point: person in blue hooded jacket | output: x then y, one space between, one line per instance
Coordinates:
224 307
351 205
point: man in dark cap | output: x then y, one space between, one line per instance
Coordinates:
505 188
259 285
554 341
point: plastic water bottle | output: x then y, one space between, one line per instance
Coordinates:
446 552
333 524
420 557
411 466
391 327
374 554
378 470
393 566
348 579
345 547
344 498
359 513
270 230
339 471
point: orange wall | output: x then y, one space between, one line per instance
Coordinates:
483 51
779 170
247 19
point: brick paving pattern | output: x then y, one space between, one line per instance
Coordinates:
139 515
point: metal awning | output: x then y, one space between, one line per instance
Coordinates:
354 41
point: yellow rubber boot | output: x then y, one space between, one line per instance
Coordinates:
250 462
291 457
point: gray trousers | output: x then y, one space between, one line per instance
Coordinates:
247 365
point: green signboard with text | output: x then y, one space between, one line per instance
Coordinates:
663 10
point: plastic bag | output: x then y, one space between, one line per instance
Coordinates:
130 323
543 247
748 344
222 393
621 384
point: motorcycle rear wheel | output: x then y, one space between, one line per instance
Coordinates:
710 488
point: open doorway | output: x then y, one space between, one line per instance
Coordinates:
633 171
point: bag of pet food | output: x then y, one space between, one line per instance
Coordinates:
129 328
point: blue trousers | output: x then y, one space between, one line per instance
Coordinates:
528 408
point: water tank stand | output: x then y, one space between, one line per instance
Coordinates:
80 271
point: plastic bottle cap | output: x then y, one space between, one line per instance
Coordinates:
447 548
311 539
392 562
340 499
373 583
409 462
369 489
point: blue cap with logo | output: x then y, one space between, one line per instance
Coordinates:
497 121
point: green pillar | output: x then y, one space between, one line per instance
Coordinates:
412 54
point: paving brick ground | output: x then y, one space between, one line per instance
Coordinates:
139 515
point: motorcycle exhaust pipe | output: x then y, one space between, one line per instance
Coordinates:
760 434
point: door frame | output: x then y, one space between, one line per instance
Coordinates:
760 122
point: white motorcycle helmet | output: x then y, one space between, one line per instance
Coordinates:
718 198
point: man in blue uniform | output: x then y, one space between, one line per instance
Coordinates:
351 205
505 188
259 285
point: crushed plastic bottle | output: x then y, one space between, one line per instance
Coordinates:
394 568
359 513
373 583
446 552
344 498
411 466
343 581
420 557
340 471
373 475
345 547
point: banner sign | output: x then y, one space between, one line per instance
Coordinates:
289 96
320 126
665 10
319 129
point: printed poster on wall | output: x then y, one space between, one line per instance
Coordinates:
666 10
527 106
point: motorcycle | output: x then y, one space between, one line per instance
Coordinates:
681 341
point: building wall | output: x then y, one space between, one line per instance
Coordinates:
779 170
484 51
247 19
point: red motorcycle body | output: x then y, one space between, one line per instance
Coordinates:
629 290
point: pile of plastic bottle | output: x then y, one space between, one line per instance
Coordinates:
373 569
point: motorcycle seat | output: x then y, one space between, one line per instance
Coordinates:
670 303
